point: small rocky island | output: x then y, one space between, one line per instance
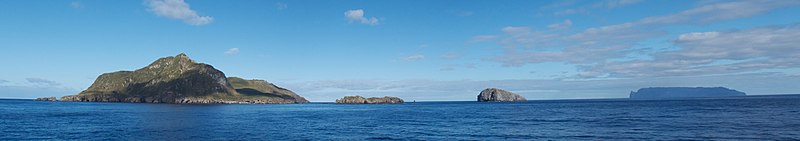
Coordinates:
46 99
653 93
371 100
498 95
181 80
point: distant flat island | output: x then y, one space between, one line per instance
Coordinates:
654 93
371 100
180 80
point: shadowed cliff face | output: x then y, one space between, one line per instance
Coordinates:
178 79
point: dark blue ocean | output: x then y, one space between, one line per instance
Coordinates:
740 118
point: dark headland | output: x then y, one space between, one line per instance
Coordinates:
181 80
653 93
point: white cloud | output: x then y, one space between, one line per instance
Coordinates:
606 4
414 57
40 81
451 55
464 13
178 10
573 55
719 11
617 3
595 47
516 30
281 6
450 67
76 5
481 38
232 51
697 36
563 25
357 15
714 53
569 12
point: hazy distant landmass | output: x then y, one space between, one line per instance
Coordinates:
178 79
683 92
47 99
371 100
498 95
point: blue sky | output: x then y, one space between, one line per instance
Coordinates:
417 50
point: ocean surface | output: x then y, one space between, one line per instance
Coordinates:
739 118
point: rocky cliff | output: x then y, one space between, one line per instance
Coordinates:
498 95
683 92
371 100
179 79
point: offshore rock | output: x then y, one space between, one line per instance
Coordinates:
371 100
180 80
46 99
498 95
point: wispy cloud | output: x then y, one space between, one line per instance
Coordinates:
415 57
716 52
232 51
281 6
563 25
178 10
481 38
76 4
616 3
42 82
450 67
357 15
464 13
603 51
451 55
605 4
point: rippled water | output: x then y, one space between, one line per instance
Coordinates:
748 118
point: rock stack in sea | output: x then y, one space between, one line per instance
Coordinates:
371 100
46 99
498 95
180 80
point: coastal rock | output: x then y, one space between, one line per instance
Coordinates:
46 99
498 95
180 80
371 100
683 92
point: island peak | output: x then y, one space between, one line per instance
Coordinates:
179 79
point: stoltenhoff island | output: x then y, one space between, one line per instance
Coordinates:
181 80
